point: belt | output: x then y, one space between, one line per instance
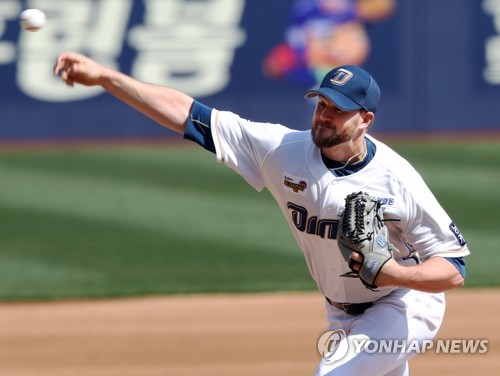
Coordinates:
353 309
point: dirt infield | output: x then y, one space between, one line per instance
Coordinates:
265 334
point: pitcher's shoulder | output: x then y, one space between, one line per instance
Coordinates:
387 158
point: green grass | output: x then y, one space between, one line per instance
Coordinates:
135 221
138 221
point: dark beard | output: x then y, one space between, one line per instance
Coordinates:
334 140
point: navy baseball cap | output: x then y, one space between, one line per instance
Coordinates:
350 88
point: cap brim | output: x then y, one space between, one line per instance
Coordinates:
339 99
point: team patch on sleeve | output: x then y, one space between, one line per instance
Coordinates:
295 184
454 229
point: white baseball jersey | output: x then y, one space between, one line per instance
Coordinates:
311 197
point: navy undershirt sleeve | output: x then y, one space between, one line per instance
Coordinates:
459 263
198 126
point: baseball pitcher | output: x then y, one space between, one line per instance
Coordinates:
379 246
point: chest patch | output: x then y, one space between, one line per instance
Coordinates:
295 184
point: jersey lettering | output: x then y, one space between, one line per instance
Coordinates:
454 229
312 225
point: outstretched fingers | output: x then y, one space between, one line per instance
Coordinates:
65 66
65 60
76 68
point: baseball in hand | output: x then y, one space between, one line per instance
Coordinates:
32 19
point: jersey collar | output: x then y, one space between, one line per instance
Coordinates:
337 169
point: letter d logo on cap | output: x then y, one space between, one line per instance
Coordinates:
341 77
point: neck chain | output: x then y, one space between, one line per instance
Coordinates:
350 159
